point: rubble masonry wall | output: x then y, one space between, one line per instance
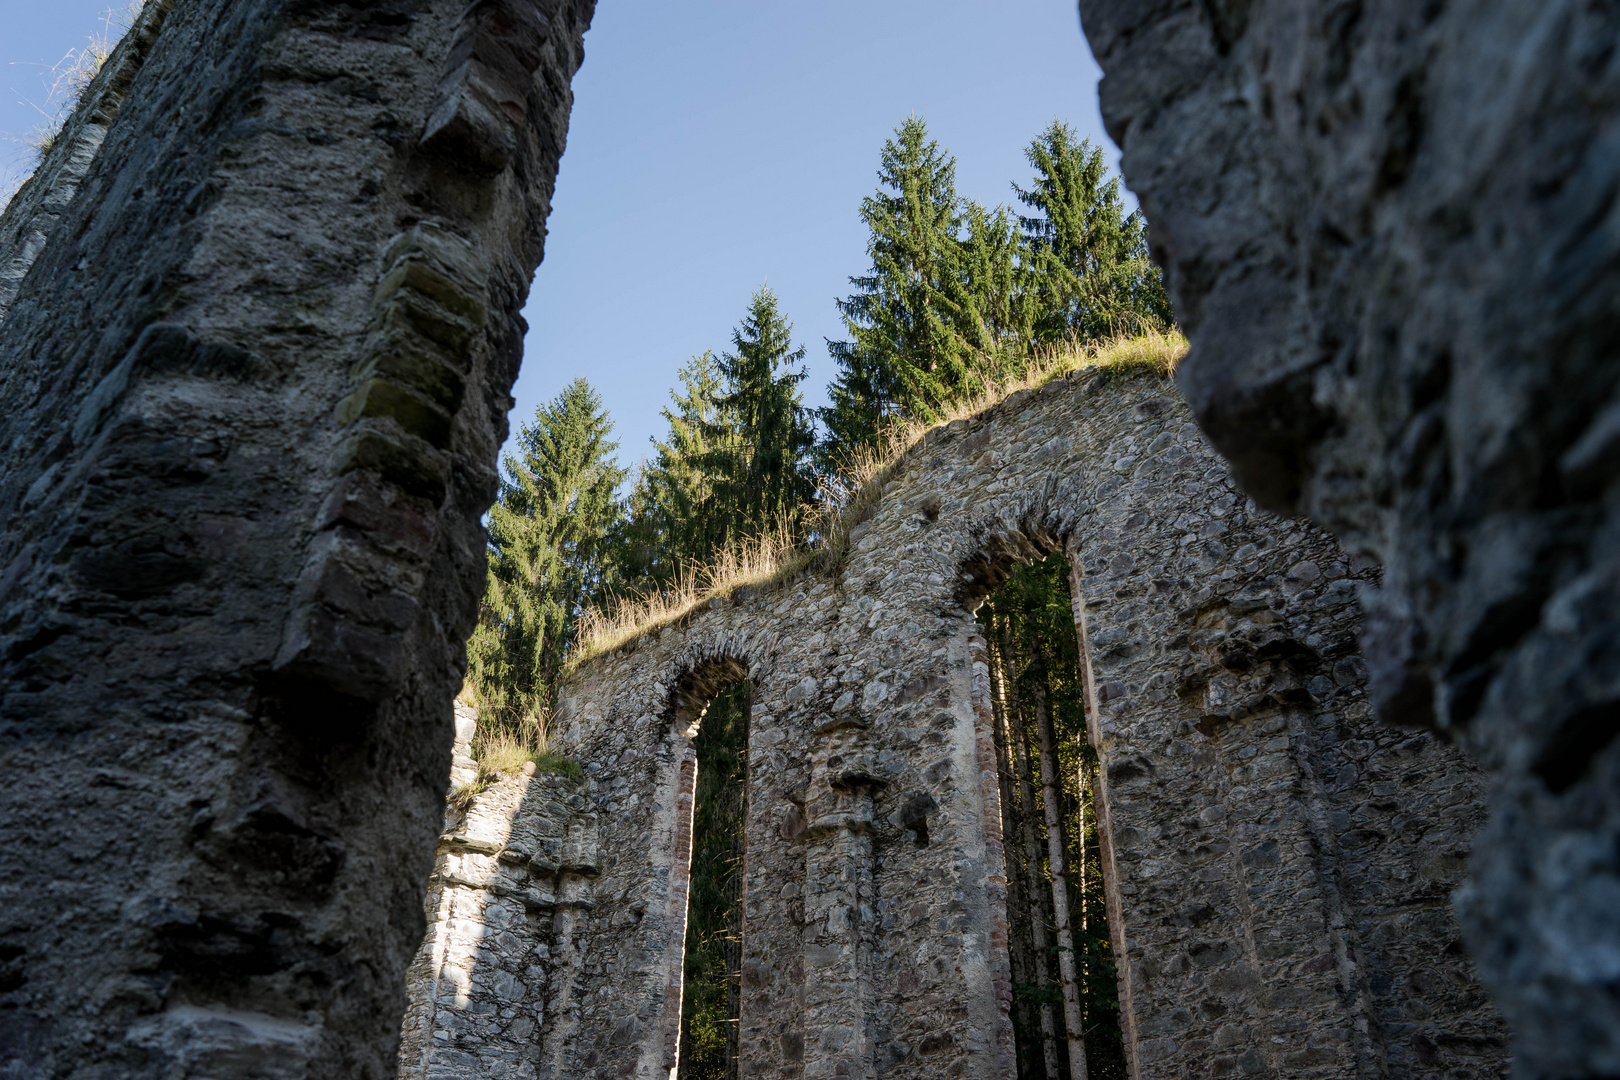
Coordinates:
1279 864
260 323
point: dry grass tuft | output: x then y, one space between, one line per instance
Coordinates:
1155 352
851 497
503 753
756 561
1152 353
500 753
65 83
462 795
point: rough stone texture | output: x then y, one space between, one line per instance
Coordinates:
259 332
501 906
1279 864
1391 231
33 213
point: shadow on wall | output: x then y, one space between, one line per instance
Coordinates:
1391 232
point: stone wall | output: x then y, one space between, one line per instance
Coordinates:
260 324
1279 863
1391 232
33 213
507 889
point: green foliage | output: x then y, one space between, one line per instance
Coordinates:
548 762
911 320
735 465
549 557
1089 265
670 517
760 442
959 295
737 460
705 1027
994 260
714 925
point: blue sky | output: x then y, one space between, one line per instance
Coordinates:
36 37
717 145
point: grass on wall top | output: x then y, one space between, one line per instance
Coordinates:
850 498
64 85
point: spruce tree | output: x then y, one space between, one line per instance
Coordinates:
911 318
548 534
672 518
858 413
762 442
1092 274
737 459
995 270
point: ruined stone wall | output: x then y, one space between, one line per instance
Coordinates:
260 325
507 887
1279 863
34 211
1390 230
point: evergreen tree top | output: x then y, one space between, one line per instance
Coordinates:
564 464
765 355
1080 210
764 472
913 328
1089 262
698 407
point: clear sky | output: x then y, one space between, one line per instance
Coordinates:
717 145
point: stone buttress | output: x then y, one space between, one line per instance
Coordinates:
1390 231
259 321
1279 865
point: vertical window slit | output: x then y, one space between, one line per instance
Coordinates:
714 920
1065 989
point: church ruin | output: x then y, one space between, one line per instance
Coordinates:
1279 864
250 427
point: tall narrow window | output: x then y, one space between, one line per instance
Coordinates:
1066 1006
714 907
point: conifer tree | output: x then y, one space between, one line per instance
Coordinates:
737 459
672 519
1090 267
911 319
859 411
995 270
763 438
548 533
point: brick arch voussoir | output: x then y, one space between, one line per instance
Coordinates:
1041 520
702 670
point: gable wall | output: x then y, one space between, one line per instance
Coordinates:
1280 864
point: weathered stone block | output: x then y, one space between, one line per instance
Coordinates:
415 414
422 369
415 274
398 457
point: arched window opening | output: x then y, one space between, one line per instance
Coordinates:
714 921
1065 988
